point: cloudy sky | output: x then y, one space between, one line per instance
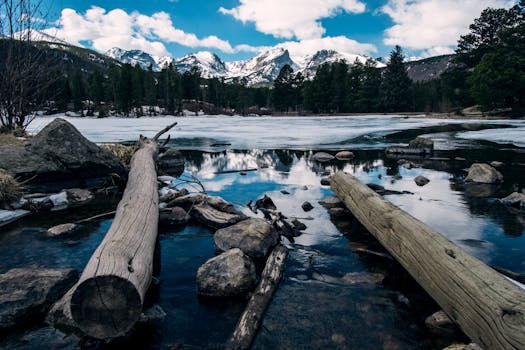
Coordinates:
238 29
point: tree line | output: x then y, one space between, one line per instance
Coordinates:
488 70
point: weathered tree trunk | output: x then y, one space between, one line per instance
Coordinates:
107 300
251 318
488 307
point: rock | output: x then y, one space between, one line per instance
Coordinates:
59 200
58 156
397 177
167 195
171 162
325 182
440 324
153 314
480 190
421 180
337 212
344 155
230 274
298 225
483 173
422 143
78 196
210 216
331 202
166 179
255 237
515 199
496 164
459 346
285 192
61 230
266 203
27 294
9 216
322 157
304 188
376 188
175 218
307 206
51 337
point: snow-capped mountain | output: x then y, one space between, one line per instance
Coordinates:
209 64
263 68
310 63
257 71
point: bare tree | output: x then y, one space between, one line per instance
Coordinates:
22 65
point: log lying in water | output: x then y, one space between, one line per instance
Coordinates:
251 318
108 299
488 307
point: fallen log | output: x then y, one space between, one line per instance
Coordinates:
251 318
107 300
487 307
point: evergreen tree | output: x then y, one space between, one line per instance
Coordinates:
77 91
395 83
150 90
283 89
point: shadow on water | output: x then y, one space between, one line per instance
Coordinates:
341 289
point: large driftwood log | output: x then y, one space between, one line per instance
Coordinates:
251 318
107 300
488 307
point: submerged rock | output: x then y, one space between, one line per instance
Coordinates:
422 143
255 237
331 202
298 225
344 155
515 199
27 294
440 324
153 314
265 202
78 196
322 157
61 230
230 274
483 173
176 217
421 180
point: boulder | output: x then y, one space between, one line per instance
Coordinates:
421 180
230 274
515 199
265 202
255 237
483 173
307 206
422 143
331 202
174 218
214 218
322 157
27 294
166 195
59 201
440 324
171 163
344 155
59 156
61 230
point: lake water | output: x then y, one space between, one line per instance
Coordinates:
340 290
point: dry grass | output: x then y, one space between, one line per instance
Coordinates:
9 139
122 152
10 189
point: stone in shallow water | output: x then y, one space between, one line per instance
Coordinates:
483 173
8 216
26 294
515 199
176 217
322 157
421 180
60 230
344 155
307 206
230 274
331 202
255 237
439 323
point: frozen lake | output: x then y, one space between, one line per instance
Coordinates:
278 132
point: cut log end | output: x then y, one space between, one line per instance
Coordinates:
106 306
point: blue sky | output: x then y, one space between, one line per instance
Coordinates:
238 29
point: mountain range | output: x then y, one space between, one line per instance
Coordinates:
260 70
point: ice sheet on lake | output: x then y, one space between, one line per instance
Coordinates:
257 132
514 136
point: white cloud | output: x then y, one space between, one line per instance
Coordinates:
117 28
291 18
433 25
341 44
